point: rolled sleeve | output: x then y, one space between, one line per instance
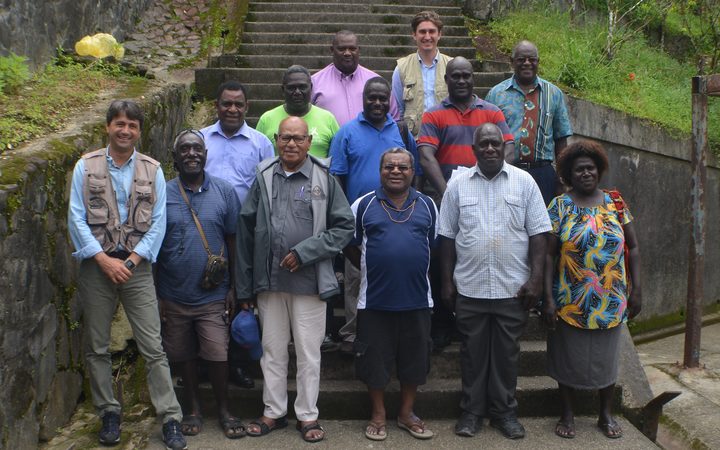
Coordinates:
536 215
449 212
338 153
149 245
86 246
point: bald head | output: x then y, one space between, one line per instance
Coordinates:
487 129
293 122
459 80
293 143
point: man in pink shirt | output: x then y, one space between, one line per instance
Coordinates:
339 86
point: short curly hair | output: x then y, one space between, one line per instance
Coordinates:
426 16
579 148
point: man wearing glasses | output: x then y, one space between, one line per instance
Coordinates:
296 88
537 116
394 231
356 151
294 221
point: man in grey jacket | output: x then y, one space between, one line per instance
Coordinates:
294 221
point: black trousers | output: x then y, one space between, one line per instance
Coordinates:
490 331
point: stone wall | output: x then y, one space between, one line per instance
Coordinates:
40 356
652 170
36 28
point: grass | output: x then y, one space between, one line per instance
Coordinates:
641 80
46 102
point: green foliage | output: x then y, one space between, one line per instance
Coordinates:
640 80
13 73
48 99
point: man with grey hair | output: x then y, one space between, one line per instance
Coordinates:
339 86
297 87
537 116
202 213
394 232
491 287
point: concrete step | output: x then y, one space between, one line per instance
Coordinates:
207 80
446 364
367 8
312 63
271 91
395 51
438 399
364 38
298 28
420 5
348 435
357 20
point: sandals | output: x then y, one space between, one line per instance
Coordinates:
565 429
232 427
191 425
610 429
304 429
416 428
375 431
280 422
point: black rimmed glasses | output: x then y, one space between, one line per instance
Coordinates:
286 138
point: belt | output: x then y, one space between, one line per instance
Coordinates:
532 164
119 254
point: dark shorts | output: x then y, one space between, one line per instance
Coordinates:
392 339
191 332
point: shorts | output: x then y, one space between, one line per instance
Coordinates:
191 332
392 339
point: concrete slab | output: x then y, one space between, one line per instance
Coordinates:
349 435
695 414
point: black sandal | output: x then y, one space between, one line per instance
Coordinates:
232 427
280 422
309 427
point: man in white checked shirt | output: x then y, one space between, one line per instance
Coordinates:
492 223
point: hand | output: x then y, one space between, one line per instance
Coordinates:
634 303
448 295
549 313
230 304
246 304
113 268
529 293
290 262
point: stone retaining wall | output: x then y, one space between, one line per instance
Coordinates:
40 355
36 28
652 170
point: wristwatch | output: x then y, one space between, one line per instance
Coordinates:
130 265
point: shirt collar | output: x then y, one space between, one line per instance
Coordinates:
476 103
110 161
342 75
514 84
476 171
435 59
412 195
205 184
242 131
388 120
305 169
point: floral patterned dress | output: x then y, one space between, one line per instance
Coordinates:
590 283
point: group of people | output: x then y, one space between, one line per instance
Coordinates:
352 164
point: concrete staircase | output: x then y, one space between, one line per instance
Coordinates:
281 33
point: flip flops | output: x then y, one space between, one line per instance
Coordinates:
191 425
232 427
565 429
610 429
376 431
304 429
416 428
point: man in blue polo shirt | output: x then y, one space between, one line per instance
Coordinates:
394 230
196 316
355 151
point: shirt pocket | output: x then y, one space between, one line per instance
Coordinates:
142 214
468 211
408 91
301 204
515 211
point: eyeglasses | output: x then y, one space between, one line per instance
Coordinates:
401 167
286 138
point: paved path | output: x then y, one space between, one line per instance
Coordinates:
695 414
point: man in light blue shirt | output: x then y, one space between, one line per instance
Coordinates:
233 152
233 148
116 220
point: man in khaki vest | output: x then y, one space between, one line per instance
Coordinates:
418 80
116 221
